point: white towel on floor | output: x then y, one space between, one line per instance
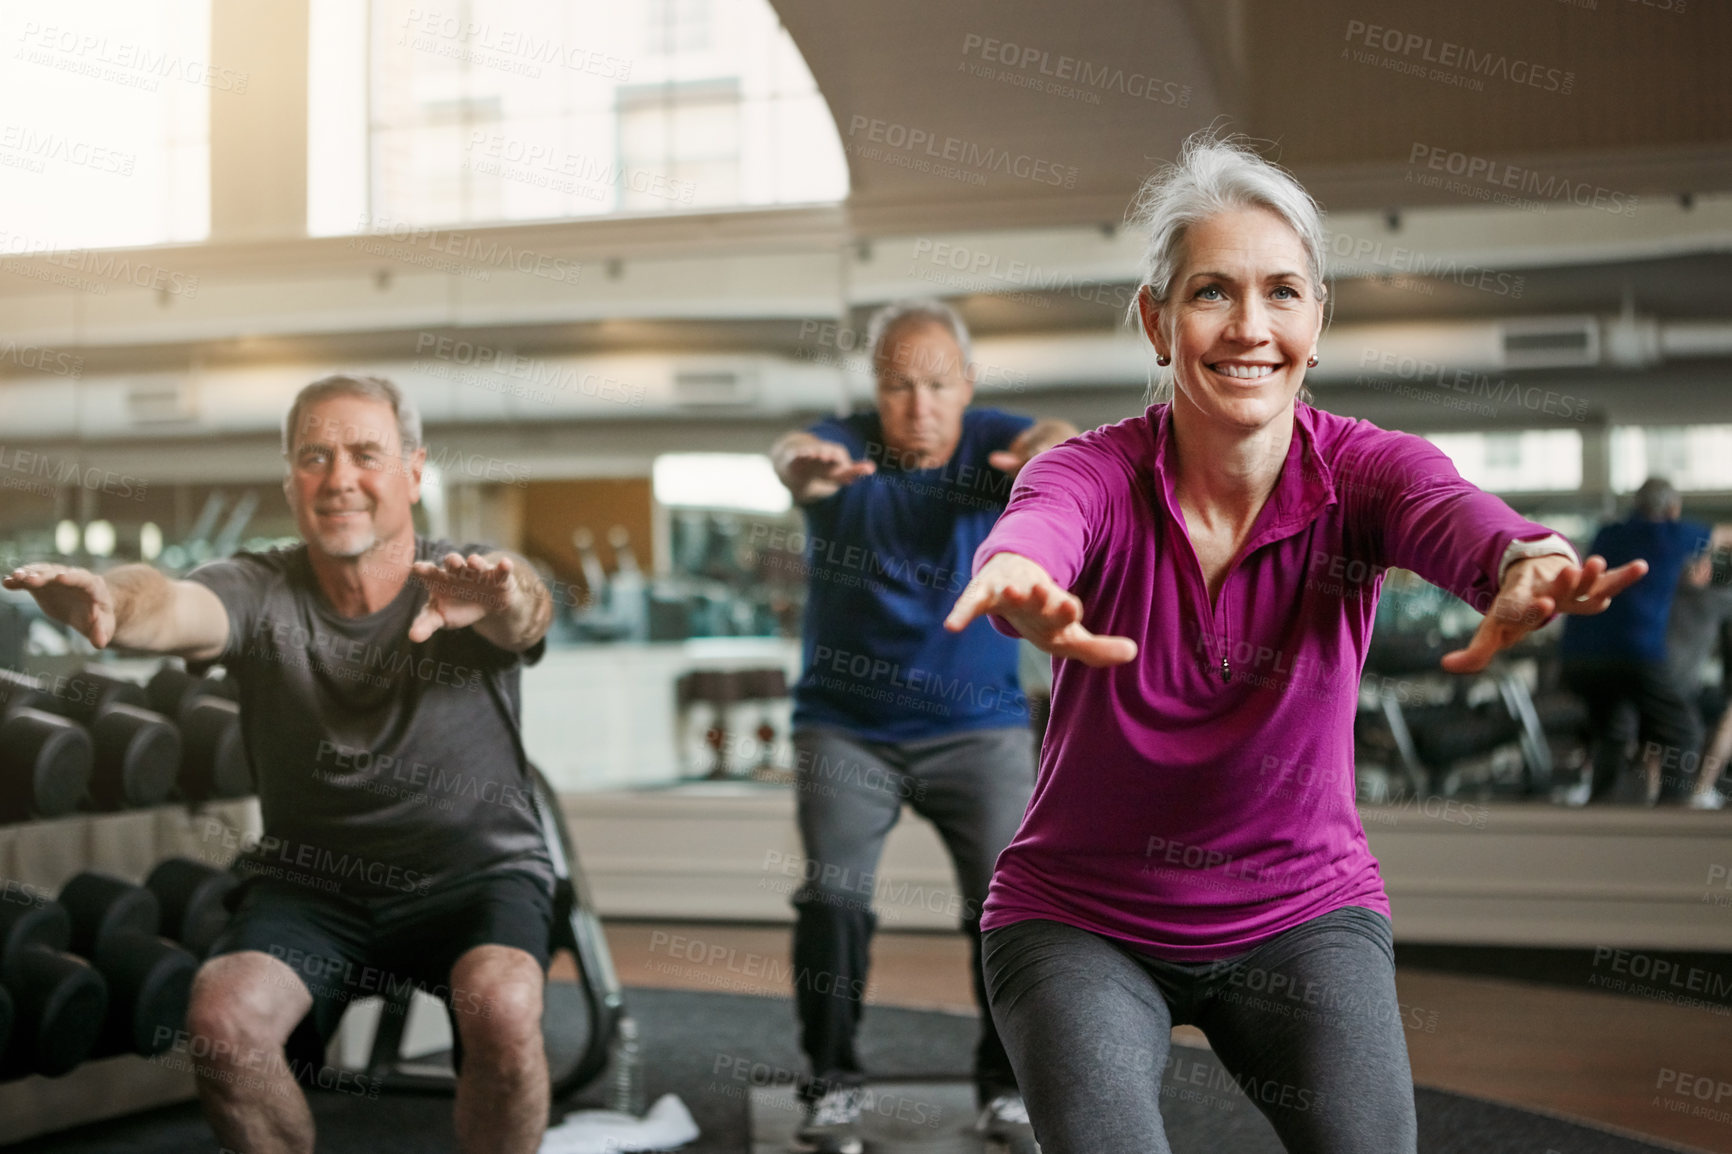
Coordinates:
668 1125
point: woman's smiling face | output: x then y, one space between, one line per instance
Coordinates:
1241 318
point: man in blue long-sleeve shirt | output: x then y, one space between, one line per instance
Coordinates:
1617 659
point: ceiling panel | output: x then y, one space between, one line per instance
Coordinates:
1631 96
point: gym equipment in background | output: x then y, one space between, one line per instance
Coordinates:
87 694
720 690
128 754
114 924
213 758
191 896
137 757
103 743
1430 738
58 1001
171 688
45 765
21 691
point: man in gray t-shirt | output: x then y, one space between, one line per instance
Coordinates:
378 683
1700 609
384 767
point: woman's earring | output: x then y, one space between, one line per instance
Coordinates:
1311 361
1163 360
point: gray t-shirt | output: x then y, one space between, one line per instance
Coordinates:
1693 630
384 768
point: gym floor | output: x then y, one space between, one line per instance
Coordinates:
1584 1054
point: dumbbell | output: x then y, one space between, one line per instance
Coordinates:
45 760
114 923
58 1001
88 694
20 691
45 765
136 752
137 757
170 687
191 896
214 758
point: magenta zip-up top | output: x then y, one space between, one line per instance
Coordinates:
1199 799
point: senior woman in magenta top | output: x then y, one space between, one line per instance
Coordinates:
1206 575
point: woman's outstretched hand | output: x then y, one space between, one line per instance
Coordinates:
1021 592
1534 589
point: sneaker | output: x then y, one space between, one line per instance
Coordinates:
1577 794
1004 1120
1708 799
832 1123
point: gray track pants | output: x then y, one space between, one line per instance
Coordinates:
972 786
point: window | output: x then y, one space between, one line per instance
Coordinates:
1691 457
742 481
680 143
105 141
1532 461
486 111
1503 451
675 26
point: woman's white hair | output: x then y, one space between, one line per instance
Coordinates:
1215 174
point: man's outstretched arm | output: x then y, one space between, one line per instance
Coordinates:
498 593
132 607
813 468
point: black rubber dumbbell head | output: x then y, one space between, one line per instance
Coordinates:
137 758
86 695
58 1001
20 691
214 759
149 987
191 896
45 765
100 907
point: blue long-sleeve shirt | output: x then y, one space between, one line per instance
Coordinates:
1633 627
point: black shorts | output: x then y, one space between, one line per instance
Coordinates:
344 951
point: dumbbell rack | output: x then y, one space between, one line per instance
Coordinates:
42 855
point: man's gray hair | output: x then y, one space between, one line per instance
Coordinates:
926 310
1215 174
1657 500
356 385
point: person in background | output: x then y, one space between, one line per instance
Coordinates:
890 707
1700 609
1617 661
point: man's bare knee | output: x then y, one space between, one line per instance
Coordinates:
496 994
242 1010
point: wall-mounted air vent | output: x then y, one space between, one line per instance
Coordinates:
160 400
1551 343
714 388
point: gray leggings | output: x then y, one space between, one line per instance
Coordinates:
1307 1024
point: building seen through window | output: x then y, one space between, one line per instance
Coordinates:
500 110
